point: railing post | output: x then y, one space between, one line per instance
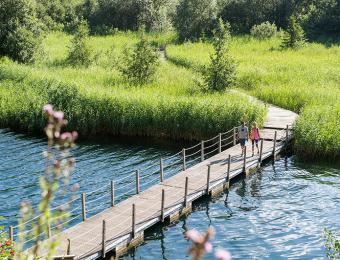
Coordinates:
228 171
261 150
220 143
287 133
245 160
186 192
202 151
137 181
133 220
83 206
162 205
68 249
103 239
274 146
161 170
208 179
112 193
184 163
11 233
234 136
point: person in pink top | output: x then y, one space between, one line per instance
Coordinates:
255 137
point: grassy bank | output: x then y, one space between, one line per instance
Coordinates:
98 100
306 81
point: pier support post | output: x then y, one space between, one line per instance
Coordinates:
112 193
261 150
133 220
83 206
228 171
186 192
137 181
274 146
245 160
161 170
11 233
234 136
68 249
208 179
162 205
104 239
202 151
184 162
220 143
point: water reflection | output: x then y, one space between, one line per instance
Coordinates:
277 213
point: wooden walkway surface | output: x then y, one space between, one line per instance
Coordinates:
123 231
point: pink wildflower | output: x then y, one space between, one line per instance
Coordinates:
74 135
58 115
48 109
208 247
194 235
66 136
222 255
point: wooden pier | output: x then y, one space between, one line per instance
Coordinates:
122 226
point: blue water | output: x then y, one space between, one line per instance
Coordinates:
278 213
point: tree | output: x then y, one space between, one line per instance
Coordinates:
79 52
195 18
221 72
294 35
20 30
155 14
140 64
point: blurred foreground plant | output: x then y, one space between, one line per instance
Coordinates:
6 246
201 245
58 166
332 244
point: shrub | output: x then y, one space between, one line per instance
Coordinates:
194 18
263 30
79 52
294 36
140 65
19 30
221 72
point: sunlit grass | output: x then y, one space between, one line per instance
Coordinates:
98 100
303 80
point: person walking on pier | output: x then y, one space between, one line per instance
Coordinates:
255 137
243 136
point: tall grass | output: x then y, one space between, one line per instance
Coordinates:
306 81
97 100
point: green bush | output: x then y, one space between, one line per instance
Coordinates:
195 18
294 36
221 72
263 30
80 53
20 30
139 66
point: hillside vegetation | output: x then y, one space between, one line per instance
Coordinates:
98 100
306 81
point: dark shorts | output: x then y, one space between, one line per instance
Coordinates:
254 141
243 142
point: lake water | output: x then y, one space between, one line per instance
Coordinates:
278 213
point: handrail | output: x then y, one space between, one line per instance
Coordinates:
169 166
